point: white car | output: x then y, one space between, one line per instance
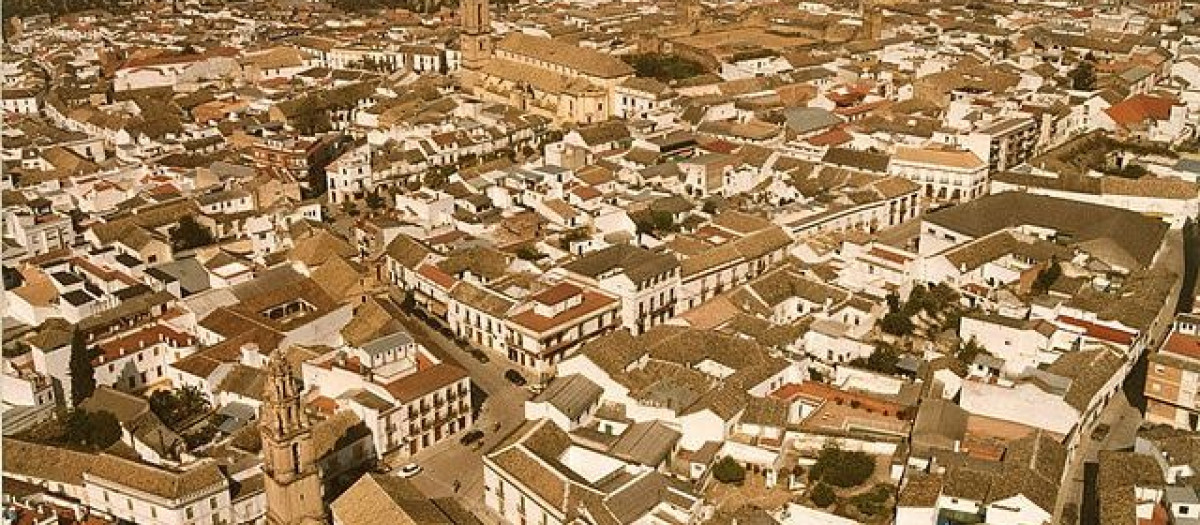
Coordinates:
409 470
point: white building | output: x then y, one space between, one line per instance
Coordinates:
944 175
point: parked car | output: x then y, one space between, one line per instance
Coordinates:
408 470
1101 431
480 355
515 377
471 437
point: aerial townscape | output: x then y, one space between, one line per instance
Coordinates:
600 262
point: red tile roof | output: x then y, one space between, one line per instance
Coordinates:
415 386
1137 109
1185 345
145 338
557 294
435 274
592 303
1099 331
833 137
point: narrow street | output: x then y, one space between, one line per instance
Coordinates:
496 401
1124 413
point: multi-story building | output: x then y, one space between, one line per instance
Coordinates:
349 176
139 358
555 322
406 396
945 175
647 282
1004 144
539 474
1174 377
736 248
38 232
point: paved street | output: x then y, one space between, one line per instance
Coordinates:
1124 413
1124 419
450 461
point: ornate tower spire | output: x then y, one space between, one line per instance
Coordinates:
293 483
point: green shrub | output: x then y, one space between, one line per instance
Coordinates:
729 471
842 468
823 495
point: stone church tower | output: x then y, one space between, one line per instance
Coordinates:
475 39
691 14
872 16
293 483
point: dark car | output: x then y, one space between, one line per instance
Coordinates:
480 355
1101 432
515 377
471 437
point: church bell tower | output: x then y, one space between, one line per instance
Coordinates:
293 483
475 39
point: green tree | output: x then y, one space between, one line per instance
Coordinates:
729 471
375 201
349 208
893 302
969 350
1083 77
823 496
189 234
896 323
1004 46
177 406
842 468
663 67
1046 278
883 360
93 430
874 501
664 222
83 372
529 253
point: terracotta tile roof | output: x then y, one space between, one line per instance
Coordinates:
435 274
593 302
587 61
1185 345
1099 331
1139 108
411 387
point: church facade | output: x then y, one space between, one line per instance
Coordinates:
558 80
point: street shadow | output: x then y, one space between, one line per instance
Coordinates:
478 396
1134 387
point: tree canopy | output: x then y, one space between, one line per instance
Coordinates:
177 406
190 234
1046 278
728 471
1083 77
842 468
24 8
664 68
822 495
92 430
